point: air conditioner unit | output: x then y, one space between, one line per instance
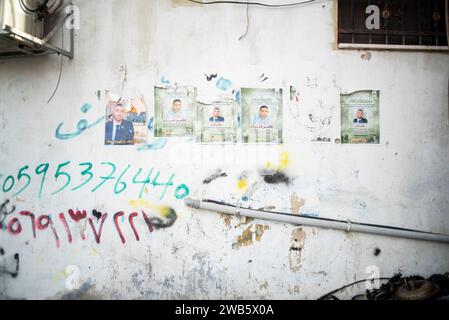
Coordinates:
27 26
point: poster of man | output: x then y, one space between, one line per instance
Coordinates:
261 115
125 120
217 122
174 111
360 117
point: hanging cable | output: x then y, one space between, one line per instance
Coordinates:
257 3
247 22
60 69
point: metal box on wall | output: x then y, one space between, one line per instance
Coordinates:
28 27
12 15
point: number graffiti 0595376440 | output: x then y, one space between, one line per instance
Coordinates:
25 175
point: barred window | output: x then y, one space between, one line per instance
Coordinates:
402 24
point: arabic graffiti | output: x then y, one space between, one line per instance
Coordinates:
81 126
211 77
10 268
4 211
166 218
63 178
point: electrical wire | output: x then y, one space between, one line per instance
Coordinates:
257 3
324 219
60 70
247 22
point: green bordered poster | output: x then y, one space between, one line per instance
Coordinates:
261 115
217 122
174 110
360 117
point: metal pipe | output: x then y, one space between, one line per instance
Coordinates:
347 226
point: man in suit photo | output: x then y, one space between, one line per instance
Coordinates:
360 119
216 116
176 113
118 130
262 120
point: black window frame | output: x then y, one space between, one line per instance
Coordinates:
404 25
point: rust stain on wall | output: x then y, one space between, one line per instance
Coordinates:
295 255
244 240
227 219
249 236
297 204
264 285
260 230
246 221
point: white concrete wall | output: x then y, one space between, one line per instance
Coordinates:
403 182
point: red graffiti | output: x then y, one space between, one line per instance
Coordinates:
98 235
66 227
131 223
33 220
116 216
14 230
44 222
78 215
147 221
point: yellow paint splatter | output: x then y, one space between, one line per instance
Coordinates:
268 165
242 185
93 252
144 204
284 160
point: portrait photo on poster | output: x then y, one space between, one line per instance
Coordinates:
175 111
261 115
360 117
126 118
216 122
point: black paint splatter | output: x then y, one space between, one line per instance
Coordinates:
11 273
158 223
2 252
377 252
263 78
4 211
211 77
96 214
216 175
277 178
16 273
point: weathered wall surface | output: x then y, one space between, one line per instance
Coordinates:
130 46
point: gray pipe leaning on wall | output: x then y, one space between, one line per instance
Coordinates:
347 226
